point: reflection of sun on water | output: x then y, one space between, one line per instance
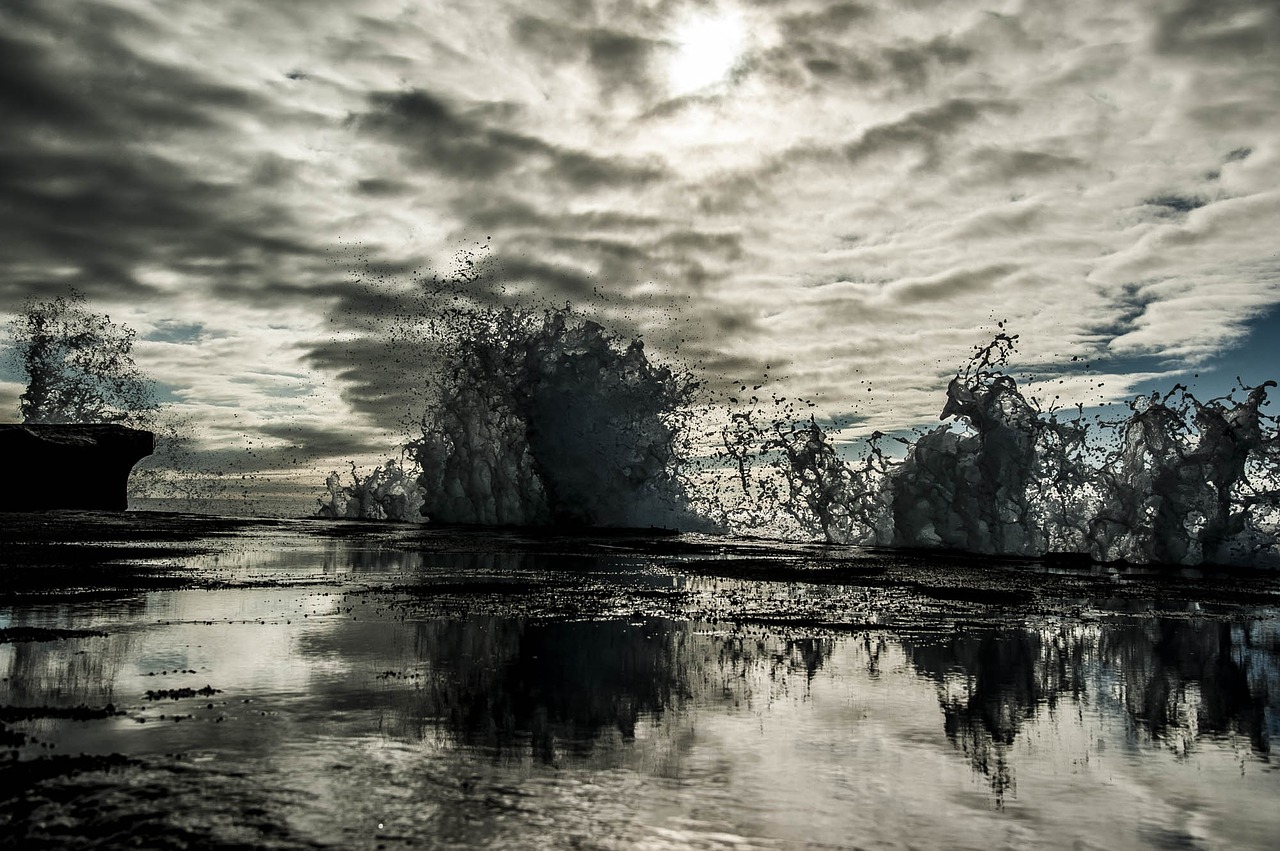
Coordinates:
706 49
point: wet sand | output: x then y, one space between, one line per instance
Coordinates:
187 681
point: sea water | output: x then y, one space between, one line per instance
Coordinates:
309 686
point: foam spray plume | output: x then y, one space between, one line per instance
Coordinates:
1176 480
542 417
389 492
545 418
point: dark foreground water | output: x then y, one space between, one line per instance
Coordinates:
186 682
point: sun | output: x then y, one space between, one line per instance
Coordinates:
706 49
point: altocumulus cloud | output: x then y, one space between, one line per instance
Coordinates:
866 189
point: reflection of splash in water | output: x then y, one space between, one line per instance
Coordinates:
1176 681
559 691
759 721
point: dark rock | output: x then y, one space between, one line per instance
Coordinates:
69 466
1059 558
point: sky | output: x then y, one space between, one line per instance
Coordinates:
846 196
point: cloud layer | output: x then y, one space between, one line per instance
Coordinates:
259 189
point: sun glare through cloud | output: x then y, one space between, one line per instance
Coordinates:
706 49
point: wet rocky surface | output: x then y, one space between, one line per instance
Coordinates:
54 555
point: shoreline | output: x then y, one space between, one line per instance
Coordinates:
49 555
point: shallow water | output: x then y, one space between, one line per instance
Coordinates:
392 690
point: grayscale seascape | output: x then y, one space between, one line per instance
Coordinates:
639 424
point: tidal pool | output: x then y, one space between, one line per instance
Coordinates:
295 685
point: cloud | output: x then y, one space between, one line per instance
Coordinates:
316 441
1174 204
275 194
473 146
439 139
925 129
619 61
1003 165
1213 31
96 161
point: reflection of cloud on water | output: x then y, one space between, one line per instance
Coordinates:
243 642
308 556
38 675
347 705
69 672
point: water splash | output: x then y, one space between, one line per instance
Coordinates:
1191 481
79 366
389 492
973 490
1176 480
543 417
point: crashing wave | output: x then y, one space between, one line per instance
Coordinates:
1191 482
545 418
1180 481
389 492
542 417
